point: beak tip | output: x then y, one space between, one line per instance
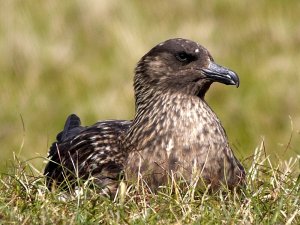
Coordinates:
234 78
237 83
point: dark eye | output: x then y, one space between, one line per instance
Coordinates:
184 57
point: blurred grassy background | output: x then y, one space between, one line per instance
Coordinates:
59 57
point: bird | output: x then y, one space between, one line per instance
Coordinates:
174 132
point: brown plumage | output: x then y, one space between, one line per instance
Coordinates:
173 132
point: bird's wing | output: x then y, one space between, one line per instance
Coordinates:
81 152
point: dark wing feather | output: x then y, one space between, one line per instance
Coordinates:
83 152
72 128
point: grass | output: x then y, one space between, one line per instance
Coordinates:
271 196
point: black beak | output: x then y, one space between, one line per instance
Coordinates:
221 74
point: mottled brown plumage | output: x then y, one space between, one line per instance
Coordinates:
174 131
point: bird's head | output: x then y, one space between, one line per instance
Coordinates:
183 66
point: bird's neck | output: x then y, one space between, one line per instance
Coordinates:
161 118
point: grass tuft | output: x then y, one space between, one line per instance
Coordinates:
272 195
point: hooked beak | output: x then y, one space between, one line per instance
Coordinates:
221 74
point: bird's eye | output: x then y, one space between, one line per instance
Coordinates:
183 57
